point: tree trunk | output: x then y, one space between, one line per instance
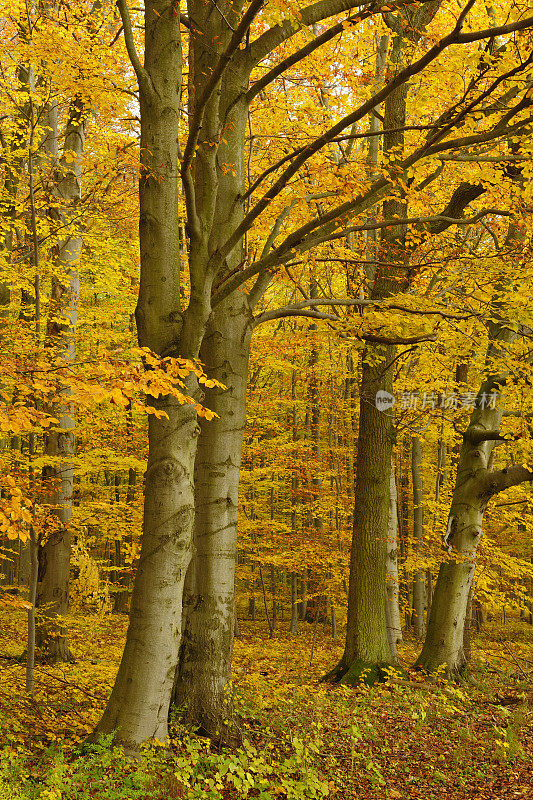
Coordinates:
475 484
205 654
302 605
121 597
467 633
294 604
394 627
139 704
294 516
367 648
419 582
59 442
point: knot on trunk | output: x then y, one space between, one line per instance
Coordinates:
167 470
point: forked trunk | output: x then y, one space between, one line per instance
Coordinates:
139 703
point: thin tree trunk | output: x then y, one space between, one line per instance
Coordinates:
394 627
236 626
294 517
419 582
294 603
121 597
30 653
59 445
333 621
302 610
467 633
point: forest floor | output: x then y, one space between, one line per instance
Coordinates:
300 738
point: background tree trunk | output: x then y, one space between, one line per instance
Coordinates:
59 442
419 582
394 627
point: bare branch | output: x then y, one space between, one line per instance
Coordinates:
436 221
283 313
370 337
295 309
476 435
483 159
491 33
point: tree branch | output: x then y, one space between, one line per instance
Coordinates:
283 313
477 436
303 52
348 120
370 337
308 235
196 122
500 480
363 303
273 37
143 77
313 232
437 223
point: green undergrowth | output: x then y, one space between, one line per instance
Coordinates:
190 770
410 737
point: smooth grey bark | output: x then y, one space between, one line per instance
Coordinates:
419 581
476 483
59 440
394 626
139 704
204 667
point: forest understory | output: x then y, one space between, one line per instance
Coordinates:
299 738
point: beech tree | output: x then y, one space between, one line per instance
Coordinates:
223 50
54 556
477 479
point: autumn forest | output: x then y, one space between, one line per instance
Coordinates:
266 399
